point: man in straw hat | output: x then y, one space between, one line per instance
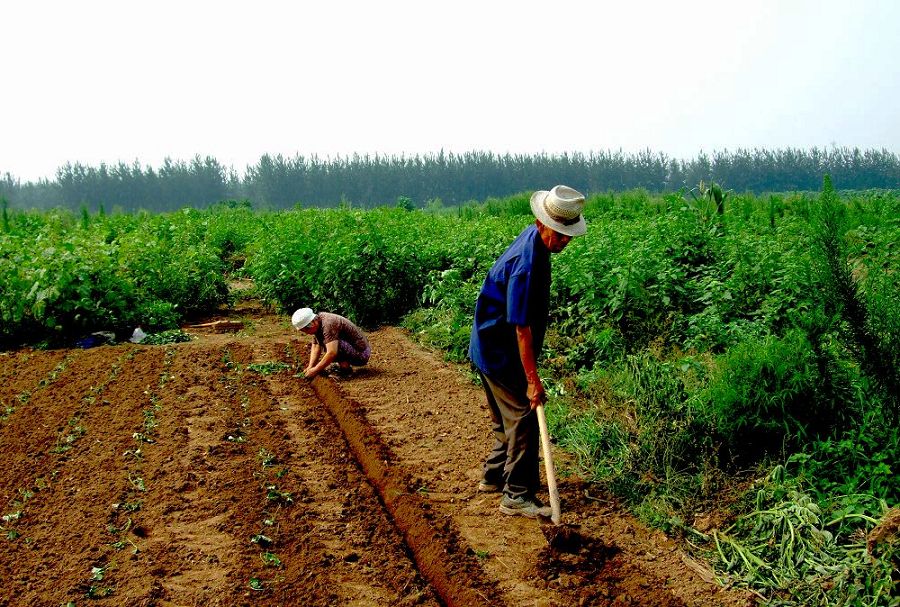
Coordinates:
510 321
335 338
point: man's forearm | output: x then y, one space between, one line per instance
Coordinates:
527 355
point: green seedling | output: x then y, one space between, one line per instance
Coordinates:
267 458
96 592
150 421
6 411
65 441
268 368
54 374
137 482
11 517
274 494
270 559
256 584
142 438
113 530
173 336
482 554
262 540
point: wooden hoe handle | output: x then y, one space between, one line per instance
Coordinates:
549 468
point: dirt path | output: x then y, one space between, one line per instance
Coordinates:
205 473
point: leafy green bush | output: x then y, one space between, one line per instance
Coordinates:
860 459
62 277
168 260
765 395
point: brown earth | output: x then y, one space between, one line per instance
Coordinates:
207 473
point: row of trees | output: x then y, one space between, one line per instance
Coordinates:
281 182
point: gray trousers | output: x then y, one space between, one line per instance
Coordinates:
513 460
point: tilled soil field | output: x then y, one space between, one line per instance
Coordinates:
207 473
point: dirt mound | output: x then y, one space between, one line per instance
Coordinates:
207 473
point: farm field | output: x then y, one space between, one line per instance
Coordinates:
725 365
205 473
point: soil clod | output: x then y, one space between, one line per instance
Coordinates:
563 538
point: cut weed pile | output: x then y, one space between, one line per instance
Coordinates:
788 549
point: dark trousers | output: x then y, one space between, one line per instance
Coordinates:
513 460
347 352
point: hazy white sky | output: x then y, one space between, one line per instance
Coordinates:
108 81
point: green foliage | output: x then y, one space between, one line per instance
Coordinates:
60 279
268 368
868 320
601 447
345 262
171 336
4 206
861 459
765 395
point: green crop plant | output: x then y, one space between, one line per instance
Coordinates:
274 494
268 368
170 336
68 436
267 458
137 482
765 394
695 337
712 194
256 584
98 592
270 559
262 540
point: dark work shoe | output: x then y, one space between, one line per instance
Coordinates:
530 507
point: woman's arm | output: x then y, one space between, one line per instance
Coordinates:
331 352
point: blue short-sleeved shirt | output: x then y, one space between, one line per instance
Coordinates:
515 292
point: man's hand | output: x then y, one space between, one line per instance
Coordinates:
536 394
535 391
310 372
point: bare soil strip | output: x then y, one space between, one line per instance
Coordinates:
435 543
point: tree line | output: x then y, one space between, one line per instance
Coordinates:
279 182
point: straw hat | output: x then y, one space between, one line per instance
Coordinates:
302 317
560 209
